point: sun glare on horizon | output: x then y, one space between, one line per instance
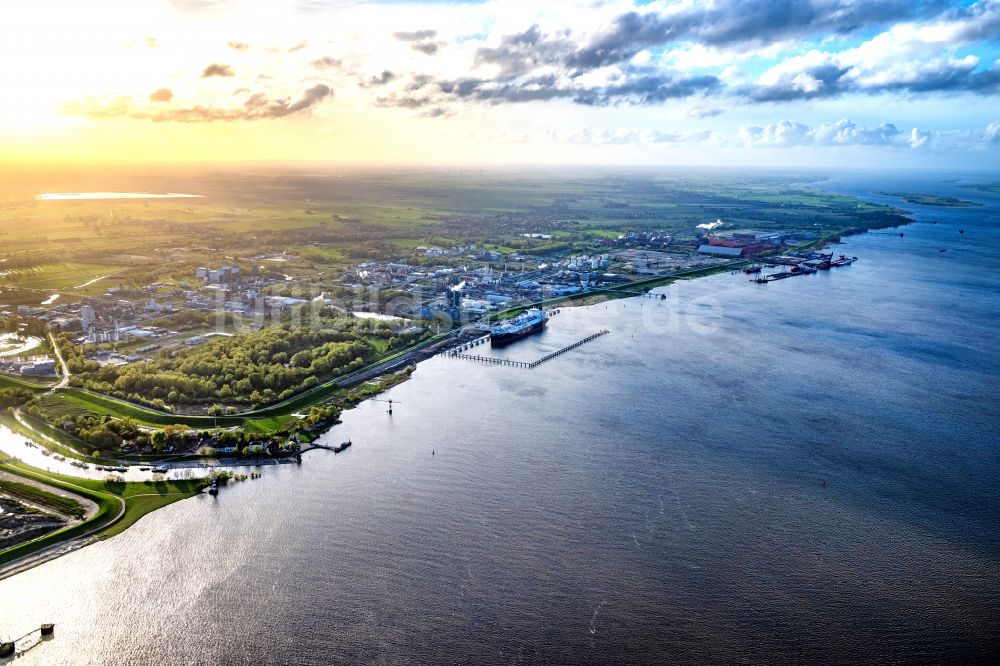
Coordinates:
885 82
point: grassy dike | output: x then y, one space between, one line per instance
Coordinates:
119 504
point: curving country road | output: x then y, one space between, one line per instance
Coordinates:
62 365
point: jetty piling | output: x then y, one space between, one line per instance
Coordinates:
458 352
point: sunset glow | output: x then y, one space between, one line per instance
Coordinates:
620 81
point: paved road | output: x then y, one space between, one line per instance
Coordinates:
62 365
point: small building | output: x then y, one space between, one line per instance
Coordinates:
39 367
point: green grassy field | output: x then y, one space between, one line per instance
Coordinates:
37 384
55 276
138 499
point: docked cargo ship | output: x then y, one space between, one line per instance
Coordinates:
526 323
843 261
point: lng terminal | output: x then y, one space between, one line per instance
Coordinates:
528 322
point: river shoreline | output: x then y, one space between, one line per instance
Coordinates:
386 368
745 477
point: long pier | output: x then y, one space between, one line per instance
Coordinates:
458 352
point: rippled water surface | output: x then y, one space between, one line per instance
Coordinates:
785 473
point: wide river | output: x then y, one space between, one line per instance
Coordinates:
798 472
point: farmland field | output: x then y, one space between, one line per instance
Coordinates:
55 276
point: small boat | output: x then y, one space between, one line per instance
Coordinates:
162 469
340 447
143 469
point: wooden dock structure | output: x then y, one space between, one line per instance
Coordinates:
458 352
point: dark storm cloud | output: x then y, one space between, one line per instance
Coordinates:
415 36
521 52
832 80
647 88
826 80
216 69
722 23
381 79
981 21
733 22
421 40
945 77
428 48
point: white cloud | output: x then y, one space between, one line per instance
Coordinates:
638 137
783 134
919 138
703 112
843 132
992 134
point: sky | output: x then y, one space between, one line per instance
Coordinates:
893 83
